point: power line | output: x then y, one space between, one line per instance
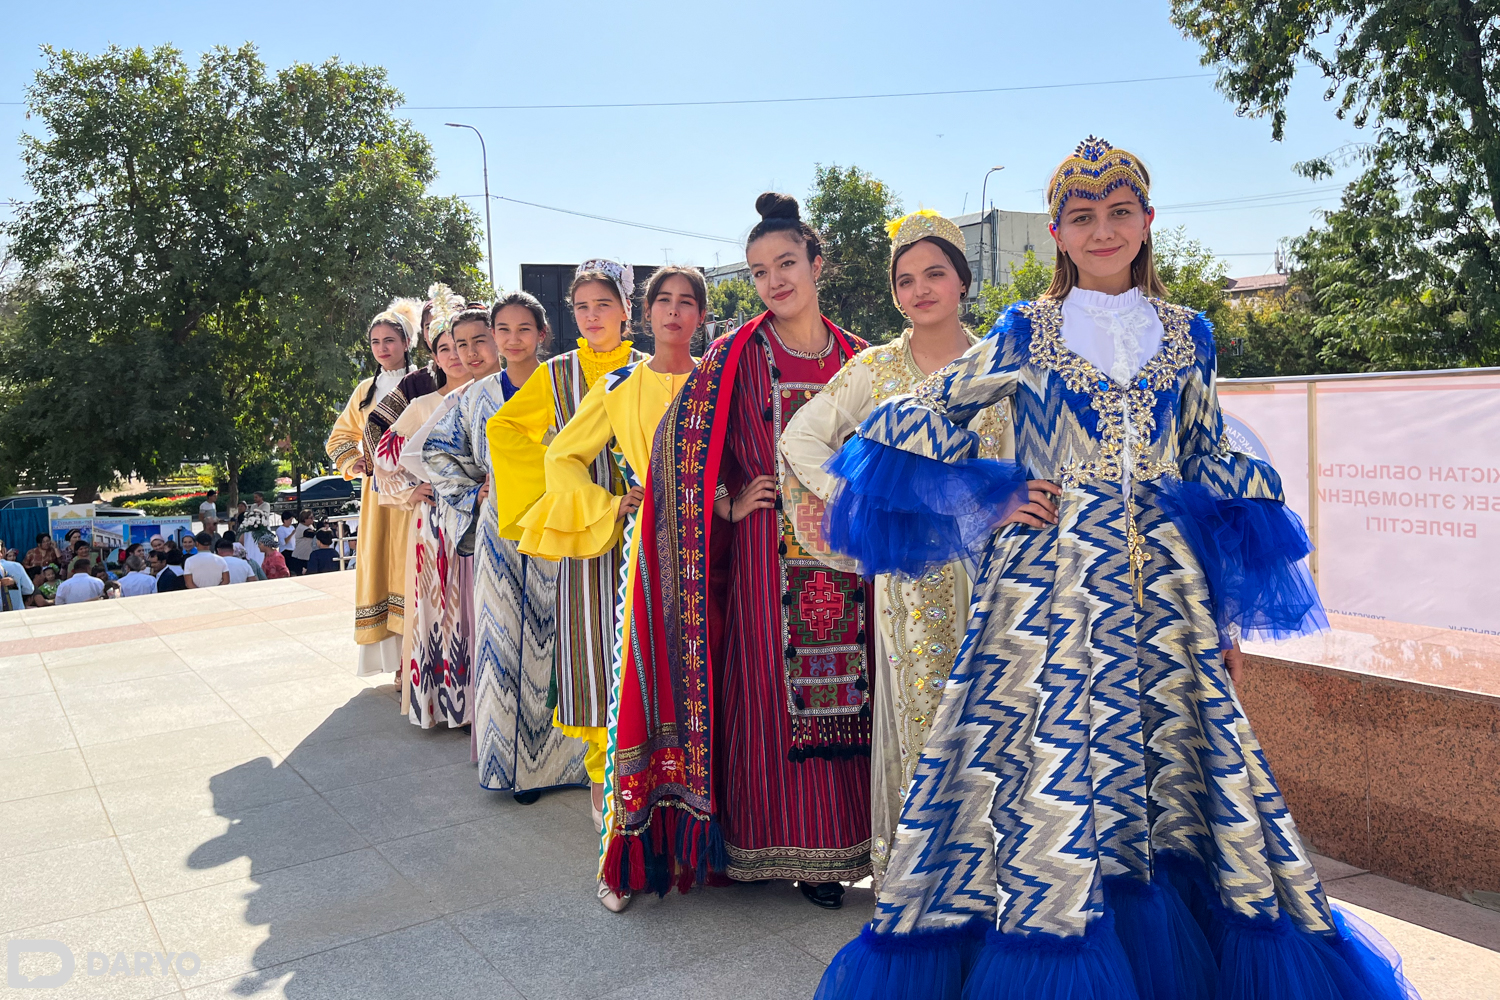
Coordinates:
606 218
796 100
1301 193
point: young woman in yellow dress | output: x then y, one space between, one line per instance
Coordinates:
580 519
518 437
921 620
379 575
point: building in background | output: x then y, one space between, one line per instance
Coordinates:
1003 238
1237 290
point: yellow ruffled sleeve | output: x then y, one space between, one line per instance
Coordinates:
517 453
577 518
345 439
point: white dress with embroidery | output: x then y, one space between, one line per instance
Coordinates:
921 620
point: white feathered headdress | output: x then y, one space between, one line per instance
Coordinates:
405 315
445 304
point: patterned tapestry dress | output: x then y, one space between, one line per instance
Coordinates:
920 622
1092 816
513 600
579 519
518 438
744 730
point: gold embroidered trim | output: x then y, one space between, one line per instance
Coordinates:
1110 400
823 864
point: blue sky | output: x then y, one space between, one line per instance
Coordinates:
699 169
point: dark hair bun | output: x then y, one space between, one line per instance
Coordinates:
773 205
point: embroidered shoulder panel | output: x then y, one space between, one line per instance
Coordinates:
1110 400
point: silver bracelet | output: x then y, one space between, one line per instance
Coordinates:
721 492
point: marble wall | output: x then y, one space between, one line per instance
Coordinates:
1396 776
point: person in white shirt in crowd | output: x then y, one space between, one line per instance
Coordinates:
15 584
261 505
208 511
137 581
285 543
203 568
240 570
80 586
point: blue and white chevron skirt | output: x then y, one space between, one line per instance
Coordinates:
1092 817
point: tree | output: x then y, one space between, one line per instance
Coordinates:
1028 280
202 254
1421 223
733 298
850 208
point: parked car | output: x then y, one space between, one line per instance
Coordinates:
16 501
321 488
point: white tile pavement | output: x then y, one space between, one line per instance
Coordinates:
202 772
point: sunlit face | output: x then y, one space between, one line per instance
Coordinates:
387 345
446 355
476 348
600 314
1102 237
785 280
518 335
675 312
928 289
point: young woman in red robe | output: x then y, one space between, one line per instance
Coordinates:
744 728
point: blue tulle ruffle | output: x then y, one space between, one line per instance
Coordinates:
1150 945
926 965
1253 552
896 512
1093 966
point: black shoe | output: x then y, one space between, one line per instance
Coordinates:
828 895
528 797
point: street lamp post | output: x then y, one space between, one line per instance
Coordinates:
983 221
489 239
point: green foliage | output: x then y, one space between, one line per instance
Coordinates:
205 247
1028 280
850 208
732 298
258 475
1406 273
165 506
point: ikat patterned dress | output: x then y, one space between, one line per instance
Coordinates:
514 611
1092 811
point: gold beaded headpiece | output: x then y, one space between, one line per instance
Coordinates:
919 225
1094 170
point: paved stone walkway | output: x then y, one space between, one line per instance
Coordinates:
200 778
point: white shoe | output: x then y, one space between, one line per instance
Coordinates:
613 901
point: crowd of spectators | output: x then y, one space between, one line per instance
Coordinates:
249 548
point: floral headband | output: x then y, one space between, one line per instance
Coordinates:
1093 171
623 276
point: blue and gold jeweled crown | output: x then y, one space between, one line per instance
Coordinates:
1094 170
